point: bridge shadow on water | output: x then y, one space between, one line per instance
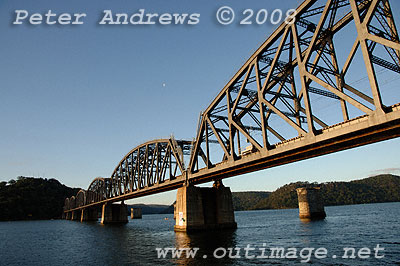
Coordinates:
207 243
136 242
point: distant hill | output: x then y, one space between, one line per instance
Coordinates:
152 208
246 200
33 198
381 188
38 198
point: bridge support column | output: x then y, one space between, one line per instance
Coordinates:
114 213
199 208
311 206
136 213
89 215
76 215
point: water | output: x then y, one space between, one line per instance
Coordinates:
63 242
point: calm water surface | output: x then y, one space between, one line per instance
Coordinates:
62 242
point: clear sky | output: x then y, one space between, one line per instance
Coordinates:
75 99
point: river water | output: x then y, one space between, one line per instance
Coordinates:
354 227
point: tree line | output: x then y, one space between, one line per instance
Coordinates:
29 198
376 189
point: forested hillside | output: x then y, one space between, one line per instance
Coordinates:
38 198
246 200
33 198
381 188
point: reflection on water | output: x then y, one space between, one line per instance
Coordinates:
308 230
74 243
207 243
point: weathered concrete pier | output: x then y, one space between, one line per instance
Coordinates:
136 213
199 208
89 215
114 213
311 206
76 215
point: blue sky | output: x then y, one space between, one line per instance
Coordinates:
75 99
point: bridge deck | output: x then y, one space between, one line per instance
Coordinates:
353 133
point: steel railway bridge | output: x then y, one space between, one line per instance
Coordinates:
272 110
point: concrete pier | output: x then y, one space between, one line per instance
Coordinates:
114 213
76 216
311 206
199 208
89 215
136 213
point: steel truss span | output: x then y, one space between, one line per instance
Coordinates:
316 86
157 165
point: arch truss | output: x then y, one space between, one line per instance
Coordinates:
81 198
149 164
300 82
99 189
